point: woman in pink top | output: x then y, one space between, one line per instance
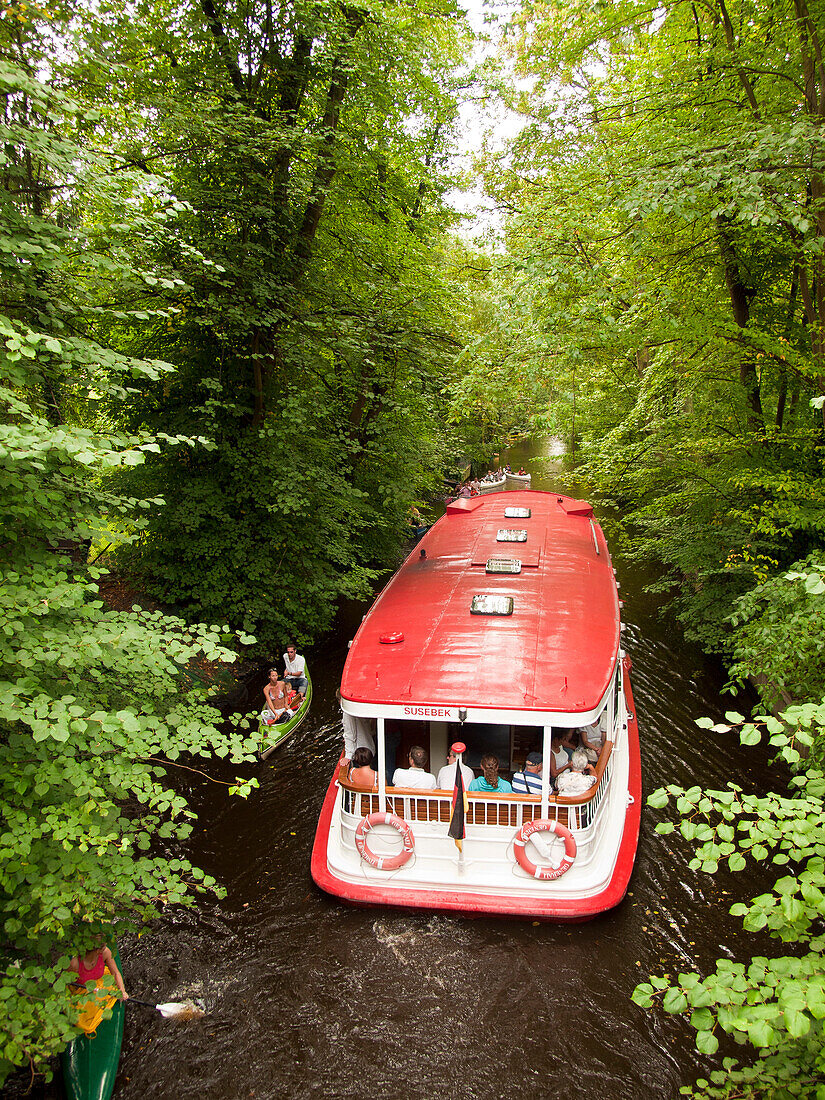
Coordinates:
91 966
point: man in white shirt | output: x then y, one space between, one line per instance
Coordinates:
414 775
358 732
295 669
445 780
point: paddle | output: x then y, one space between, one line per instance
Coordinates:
187 1010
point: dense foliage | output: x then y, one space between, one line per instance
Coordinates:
662 270
237 342
307 143
776 1004
94 704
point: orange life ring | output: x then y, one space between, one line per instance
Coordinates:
543 825
384 863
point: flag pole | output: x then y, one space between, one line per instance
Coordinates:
459 808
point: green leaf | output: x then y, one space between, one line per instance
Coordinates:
674 1001
706 1042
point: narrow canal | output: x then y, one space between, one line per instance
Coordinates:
308 998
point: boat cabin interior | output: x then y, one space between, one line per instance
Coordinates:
509 743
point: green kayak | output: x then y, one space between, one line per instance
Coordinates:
90 1061
272 737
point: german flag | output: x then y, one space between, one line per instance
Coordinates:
458 813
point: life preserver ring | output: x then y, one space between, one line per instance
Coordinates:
384 863
543 825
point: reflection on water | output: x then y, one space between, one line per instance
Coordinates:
309 998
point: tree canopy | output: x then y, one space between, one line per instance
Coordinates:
223 340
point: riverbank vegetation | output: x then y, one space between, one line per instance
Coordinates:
239 339
225 328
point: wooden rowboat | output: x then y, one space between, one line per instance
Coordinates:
272 737
90 1061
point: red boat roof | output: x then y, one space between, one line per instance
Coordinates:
555 652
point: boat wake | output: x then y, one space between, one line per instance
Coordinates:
407 947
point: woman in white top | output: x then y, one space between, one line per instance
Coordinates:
446 777
580 778
559 760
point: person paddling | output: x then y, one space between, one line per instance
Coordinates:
91 966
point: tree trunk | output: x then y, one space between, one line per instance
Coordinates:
740 299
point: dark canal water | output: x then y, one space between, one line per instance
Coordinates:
309 998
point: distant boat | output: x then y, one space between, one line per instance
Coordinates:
90 1061
500 629
272 737
492 486
521 480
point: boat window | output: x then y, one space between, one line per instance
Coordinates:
518 513
510 535
503 565
491 604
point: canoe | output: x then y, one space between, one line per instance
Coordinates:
522 480
272 737
90 1061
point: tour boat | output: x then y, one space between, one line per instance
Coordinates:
501 627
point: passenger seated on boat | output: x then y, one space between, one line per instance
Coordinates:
491 782
415 775
446 777
275 692
580 778
559 760
574 740
522 472
592 740
295 669
361 772
528 781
